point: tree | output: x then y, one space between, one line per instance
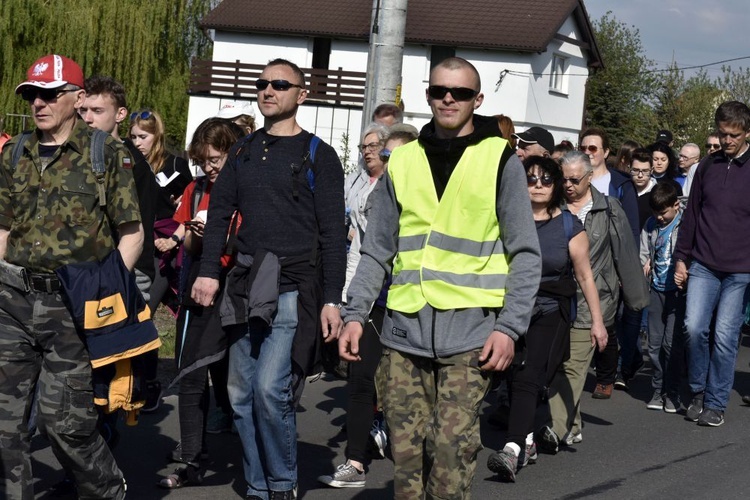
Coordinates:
685 107
616 95
735 84
147 45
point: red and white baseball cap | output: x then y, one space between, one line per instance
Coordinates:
52 72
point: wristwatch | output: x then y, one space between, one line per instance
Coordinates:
176 239
332 304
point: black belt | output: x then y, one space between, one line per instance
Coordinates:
44 283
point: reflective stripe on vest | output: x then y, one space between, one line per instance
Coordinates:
449 252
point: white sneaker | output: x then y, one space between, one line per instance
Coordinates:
571 439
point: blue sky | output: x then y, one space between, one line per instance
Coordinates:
691 32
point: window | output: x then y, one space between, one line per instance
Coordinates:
439 53
321 53
557 81
321 57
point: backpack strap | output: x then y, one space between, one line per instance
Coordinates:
568 224
98 137
18 149
309 155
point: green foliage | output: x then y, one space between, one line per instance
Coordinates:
686 107
345 156
616 93
736 85
146 45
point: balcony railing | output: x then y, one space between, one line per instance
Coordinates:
237 80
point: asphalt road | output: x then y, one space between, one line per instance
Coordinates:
628 452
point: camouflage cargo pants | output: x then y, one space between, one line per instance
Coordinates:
39 345
432 411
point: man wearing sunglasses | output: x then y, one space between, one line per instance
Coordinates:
712 263
294 229
50 216
451 219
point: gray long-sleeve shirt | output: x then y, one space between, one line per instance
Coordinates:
440 333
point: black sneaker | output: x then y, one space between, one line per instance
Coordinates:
153 397
711 418
695 409
620 383
746 399
547 441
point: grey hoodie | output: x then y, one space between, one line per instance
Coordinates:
440 333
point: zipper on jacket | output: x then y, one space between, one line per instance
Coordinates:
434 350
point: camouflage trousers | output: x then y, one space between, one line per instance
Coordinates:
41 352
432 411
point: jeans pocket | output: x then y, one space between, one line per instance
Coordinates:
79 415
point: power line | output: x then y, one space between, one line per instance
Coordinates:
663 70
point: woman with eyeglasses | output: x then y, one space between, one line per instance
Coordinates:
565 261
201 343
360 425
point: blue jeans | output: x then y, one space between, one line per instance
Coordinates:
260 390
628 335
712 371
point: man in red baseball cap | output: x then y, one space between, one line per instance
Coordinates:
53 213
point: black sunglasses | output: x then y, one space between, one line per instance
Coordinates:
385 155
143 115
713 146
276 84
458 93
547 180
30 93
575 181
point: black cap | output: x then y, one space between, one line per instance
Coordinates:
664 136
537 135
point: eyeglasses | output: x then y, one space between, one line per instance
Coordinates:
458 93
683 157
143 115
547 180
281 85
575 181
385 155
212 162
711 146
30 94
635 172
373 146
590 149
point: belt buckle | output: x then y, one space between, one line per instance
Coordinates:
48 284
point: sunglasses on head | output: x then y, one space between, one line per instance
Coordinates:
30 94
275 84
590 149
143 115
713 146
547 180
458 93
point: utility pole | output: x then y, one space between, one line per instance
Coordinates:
386 55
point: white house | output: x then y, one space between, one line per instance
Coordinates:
534 57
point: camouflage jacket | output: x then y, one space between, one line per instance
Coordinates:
53 213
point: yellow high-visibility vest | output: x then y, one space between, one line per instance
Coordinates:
449 251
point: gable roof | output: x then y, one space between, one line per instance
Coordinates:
511 25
